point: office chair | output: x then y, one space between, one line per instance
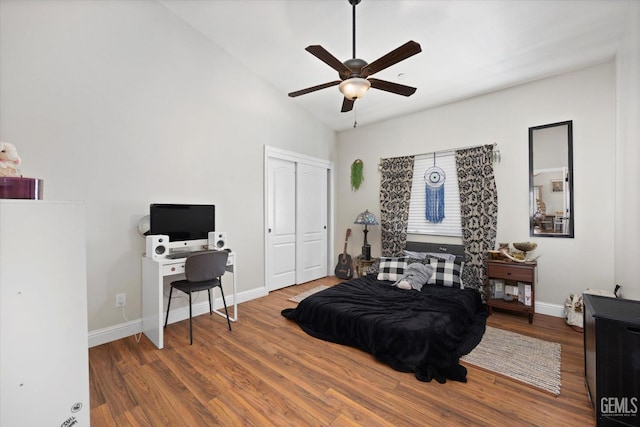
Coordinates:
202 271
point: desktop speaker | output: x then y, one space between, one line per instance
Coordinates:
218 240
157 246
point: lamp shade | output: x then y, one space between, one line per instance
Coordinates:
354 87
366 218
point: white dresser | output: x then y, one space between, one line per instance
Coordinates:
44 368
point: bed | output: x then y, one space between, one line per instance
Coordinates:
424 332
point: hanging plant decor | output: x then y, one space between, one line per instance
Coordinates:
356 174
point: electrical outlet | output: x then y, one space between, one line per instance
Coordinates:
121 300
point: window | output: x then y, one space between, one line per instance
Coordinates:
418 223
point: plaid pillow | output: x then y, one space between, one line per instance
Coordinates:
391 268
446 273
374 268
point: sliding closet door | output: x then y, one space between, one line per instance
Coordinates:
311 201
281 223
298 218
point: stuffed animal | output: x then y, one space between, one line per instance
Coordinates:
415 276
9 160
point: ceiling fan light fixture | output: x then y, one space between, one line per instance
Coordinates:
354 73
354 88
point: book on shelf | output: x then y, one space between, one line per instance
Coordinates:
524 293
511 290
496 288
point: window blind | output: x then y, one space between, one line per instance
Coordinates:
418 224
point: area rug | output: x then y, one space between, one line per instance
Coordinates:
310 292
531 361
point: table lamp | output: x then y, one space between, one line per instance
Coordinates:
366 218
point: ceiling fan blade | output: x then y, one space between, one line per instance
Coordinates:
323 55
405 51
392 87
347 105
314 88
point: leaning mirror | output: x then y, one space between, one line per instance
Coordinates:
551 180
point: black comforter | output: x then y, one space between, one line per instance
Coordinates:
423 332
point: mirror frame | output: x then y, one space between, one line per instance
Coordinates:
532 202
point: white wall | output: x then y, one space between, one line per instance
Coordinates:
586 96
121 104
627 248
108 100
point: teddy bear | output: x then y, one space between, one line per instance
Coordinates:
415 276
9 160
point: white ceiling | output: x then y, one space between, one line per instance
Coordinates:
468 47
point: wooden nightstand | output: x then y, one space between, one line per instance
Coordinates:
506 273
360 264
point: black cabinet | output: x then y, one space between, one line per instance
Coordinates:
612 359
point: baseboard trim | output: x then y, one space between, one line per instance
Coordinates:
132 327
554 310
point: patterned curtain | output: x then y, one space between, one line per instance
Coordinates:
478 211
395 193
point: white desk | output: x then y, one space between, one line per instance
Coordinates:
153 304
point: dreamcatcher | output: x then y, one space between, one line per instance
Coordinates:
434 178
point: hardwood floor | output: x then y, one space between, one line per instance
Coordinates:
267 371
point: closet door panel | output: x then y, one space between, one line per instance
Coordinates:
311 204
281 223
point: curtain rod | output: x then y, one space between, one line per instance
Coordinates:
496 153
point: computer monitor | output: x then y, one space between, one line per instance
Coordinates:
182 221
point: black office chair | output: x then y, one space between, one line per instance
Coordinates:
202 271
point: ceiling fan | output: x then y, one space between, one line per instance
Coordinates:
354 73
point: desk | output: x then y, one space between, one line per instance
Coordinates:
153 302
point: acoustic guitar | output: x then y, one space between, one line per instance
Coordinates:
344 269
